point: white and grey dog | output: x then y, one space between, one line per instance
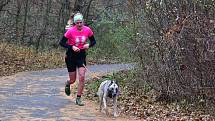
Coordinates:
108 89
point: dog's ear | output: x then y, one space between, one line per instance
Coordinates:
116 82
111 82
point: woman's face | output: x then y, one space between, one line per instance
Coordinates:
79 24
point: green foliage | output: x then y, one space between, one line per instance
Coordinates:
94 86
124 79
112 42
147 88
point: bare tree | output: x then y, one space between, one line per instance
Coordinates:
78 6
3 3
26 8
18 12
44 25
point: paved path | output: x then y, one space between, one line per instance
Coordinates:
39 95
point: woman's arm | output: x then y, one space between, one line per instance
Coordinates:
92 41
63 43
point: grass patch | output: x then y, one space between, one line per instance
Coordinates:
16 58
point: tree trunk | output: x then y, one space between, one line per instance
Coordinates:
86 14
45 24
19 5
25 21
78 6
3 3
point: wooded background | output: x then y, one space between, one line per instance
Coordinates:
172 41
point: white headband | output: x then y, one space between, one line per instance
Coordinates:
77 17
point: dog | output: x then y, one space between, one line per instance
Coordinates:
108 89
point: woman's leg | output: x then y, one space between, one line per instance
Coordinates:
81 72
71 67
72 77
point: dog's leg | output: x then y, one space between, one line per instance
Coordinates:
100 100
105 103
115 107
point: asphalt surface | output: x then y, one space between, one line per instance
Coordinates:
39 95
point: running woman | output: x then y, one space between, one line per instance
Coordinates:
75 40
